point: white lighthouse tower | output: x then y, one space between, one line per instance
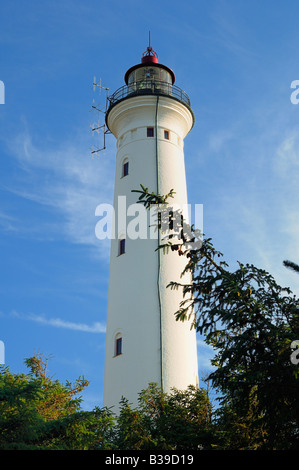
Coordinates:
150 118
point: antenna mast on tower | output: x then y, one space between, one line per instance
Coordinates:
100 129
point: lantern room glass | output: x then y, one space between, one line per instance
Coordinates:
149 73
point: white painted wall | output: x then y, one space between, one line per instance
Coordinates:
136 283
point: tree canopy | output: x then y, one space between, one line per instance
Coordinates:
39 413
250 321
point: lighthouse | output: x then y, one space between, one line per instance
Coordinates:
149 117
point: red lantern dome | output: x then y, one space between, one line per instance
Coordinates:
149 56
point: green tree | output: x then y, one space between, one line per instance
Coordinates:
56 400
82 430
131 431
251 322
39 413
239 431
180 420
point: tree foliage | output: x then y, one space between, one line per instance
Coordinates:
37 412
180 420
251 323
291 265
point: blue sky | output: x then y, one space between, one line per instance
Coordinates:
236 60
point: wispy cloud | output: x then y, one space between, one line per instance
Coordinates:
232 32
255 198
96 327
7 222
65 179
286 161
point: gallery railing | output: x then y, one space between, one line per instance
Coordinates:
148 87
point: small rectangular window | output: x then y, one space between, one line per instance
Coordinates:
126 169
118 346
166 135
150 132
122 246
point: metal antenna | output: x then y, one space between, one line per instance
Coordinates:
99 85
149 39
96 126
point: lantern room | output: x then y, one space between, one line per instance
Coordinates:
149 69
